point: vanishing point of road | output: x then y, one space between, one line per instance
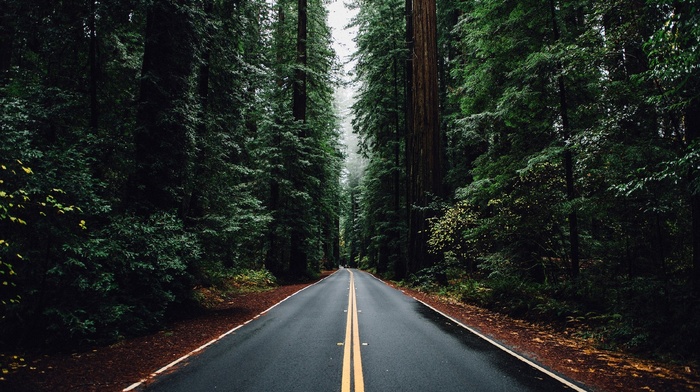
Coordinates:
351 332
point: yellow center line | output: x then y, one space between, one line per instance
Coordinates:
352 338
357 357
346 345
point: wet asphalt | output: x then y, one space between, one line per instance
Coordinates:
405 346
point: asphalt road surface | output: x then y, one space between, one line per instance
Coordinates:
351 332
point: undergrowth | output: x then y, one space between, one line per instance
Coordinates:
232 283
638 314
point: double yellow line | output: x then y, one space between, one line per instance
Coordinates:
352 339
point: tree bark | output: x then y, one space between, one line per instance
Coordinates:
568 155
401 266
299 259
397 144
692 135
424 141
299 88
162 145
92 59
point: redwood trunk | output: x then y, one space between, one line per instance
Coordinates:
401 267
424 140
692 134
92 59
298 258
162 146
568 155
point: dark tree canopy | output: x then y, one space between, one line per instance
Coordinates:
143 139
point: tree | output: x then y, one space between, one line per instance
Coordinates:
424 140
163 138
568 154
303 143
227 153
673 50
379 122
571 130
298 260
132 206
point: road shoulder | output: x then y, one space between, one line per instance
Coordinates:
574 358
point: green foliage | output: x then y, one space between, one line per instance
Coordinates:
673 53
454 234
302 158
613 86
148 264
111 212
255 278
377 202
127 208
121 281
12 199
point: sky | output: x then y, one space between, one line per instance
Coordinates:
339 17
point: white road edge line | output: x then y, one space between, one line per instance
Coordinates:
202 347
497 344
509 351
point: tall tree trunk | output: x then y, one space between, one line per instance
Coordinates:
92 59
401 266
7 39
273 259
692 135
568 156
299 259
336 239
397 145
398 135
424 140
352 237
162 144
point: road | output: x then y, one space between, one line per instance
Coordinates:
351 332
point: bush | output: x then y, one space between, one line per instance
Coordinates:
253 280
122 280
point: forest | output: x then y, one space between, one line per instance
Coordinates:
151 147
558 179
536 157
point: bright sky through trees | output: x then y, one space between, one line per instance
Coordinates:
339 17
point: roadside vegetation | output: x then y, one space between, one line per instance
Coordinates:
158 156
570 194
636 315
232 284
